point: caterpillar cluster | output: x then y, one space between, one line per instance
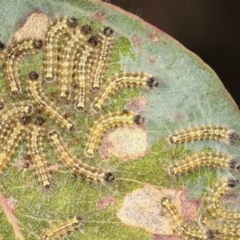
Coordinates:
75 60
213 228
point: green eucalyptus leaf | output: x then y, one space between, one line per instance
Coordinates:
189 94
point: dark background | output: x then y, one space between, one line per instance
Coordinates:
209 28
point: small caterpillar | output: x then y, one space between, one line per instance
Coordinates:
76 42
57 29
39 97
183 230
213 201
35 138
227 230
209 158
12 62
61 229
124 118
82 74
10 143
121 80
75 165
101 59
215 132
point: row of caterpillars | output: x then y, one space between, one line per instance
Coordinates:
221 222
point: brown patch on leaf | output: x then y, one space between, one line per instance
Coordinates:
104 203
137 104
189 207
100 16
151 60
137 42
141 208
34 27
154 37
126 143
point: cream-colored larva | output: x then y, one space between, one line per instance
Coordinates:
101 57
82 74
76 42
121 80
101 125
202 159
61 229
81 169
38 158
57 29
213 204
10 143
205 132
12 61
15 110
34 85
183 230
227 229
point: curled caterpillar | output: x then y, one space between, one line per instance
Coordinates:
13 57
75 165
75 43
227 230
182 229
121 80
38 96
57 29
213 204
124 118
82 74
209 158
208 132
101 57
10 143
38 158
61 229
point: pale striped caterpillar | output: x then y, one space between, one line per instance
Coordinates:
16 109
213 204
121 80
58 28
61 229
38 158
227 230
13 57
209 158
75 43
182 229
82 74
10 143
101 57
39 97
101 125
81 169
208 132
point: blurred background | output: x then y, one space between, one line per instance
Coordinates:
209 28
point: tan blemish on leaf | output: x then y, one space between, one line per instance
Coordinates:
100 16
154 37
104 203
141 208
35 27
125 143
